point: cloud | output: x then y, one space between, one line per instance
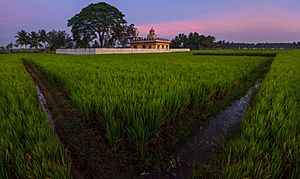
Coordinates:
251 25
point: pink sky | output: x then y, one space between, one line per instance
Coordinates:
230 20
251 25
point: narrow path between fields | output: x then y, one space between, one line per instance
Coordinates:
86 147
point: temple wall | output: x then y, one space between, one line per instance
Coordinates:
116 51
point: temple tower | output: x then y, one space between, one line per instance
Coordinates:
152 34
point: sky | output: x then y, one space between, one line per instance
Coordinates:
230 20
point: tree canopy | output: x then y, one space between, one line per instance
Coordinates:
99 21
22 38
194 41
59 39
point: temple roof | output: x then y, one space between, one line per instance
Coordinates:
152 37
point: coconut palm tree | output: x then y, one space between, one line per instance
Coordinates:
43 38
9 46
34 40
22 38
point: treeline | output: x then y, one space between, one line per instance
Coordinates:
42 40
232 45
195 41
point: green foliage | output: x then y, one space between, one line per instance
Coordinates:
51 40
34 40
59 39
194 41
28 148
124 33
96 21
136 96
22 38
43 38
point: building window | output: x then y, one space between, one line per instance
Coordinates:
167 46
158 46
162 46
150 46
135 46
144 46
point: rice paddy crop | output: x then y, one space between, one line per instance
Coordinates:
268 146
262 53
27 146
136 96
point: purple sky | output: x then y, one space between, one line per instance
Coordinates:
231 20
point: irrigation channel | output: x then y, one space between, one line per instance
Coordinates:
197 148
43 103
80 137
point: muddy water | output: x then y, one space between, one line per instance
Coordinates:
199 146
43 104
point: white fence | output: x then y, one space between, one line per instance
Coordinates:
116 51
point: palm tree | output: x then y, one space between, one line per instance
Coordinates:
43 38
22 38
9 46
34 40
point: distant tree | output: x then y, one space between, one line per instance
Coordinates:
43 38
99 21
59 39
9 46
22 38
3 50
209 42
180 41
194 41
34 40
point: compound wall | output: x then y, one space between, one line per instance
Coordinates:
116 51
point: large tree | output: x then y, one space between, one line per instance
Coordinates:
124 34
98 21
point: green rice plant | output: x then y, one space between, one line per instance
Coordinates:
28 148
268 145
136 96
261 53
